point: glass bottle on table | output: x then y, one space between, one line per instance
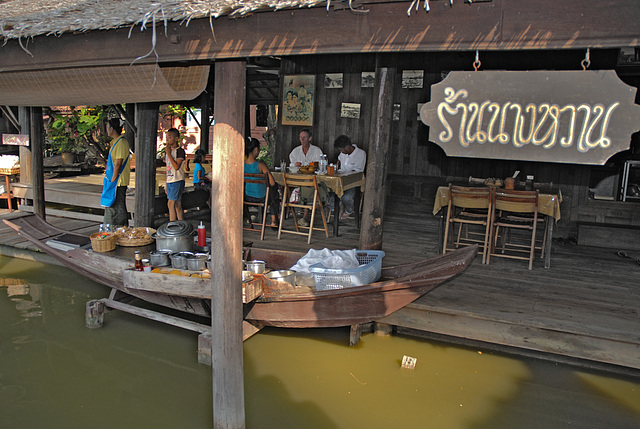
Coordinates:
139 266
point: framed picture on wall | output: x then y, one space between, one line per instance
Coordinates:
395 115
412 78
333 80
368 80
298 96
350 110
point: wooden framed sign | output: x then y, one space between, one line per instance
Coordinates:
16 139
581 117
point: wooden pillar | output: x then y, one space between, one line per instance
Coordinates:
129 132
377 159
26 173
226 226
37 171
205 109
147 125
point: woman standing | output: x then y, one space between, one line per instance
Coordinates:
114 188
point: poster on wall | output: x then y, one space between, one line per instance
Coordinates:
297 99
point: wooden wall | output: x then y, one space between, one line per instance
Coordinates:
416 165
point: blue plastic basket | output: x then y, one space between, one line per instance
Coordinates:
339 278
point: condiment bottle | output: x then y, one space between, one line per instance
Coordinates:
202 235
138 266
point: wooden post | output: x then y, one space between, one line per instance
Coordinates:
147 124
130 133
205 108
37 171
379 142
226 227
25 151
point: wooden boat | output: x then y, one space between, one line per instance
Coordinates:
278 305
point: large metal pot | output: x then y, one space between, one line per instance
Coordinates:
176 236
160 258
197 262
256 267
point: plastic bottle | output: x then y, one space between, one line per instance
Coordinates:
202 235
139 265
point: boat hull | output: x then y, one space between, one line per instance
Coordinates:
295 308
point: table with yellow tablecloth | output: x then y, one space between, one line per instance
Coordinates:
338 183
548 205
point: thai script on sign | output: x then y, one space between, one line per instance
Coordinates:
544 124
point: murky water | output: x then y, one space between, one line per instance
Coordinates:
55 373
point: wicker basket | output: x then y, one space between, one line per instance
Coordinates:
103 244
123 240
133 242
10 171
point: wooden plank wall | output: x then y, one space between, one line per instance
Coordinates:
418 166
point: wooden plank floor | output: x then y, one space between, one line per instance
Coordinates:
586 306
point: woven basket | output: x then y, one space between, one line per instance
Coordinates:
13 170
103 244
123 240
133 242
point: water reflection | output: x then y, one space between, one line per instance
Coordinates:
26 297
133 372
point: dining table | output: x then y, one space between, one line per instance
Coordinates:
549 199
338 183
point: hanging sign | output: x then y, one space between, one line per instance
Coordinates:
581 117
16 139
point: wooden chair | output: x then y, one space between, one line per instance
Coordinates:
516 210
290 182
260 179
468 206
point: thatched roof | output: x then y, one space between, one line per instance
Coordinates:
29 18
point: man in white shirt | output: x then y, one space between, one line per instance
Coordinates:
306 153
352 159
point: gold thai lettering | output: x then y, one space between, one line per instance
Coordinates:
544 125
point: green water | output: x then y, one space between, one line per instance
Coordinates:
135 373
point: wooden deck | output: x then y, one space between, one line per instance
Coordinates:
585 308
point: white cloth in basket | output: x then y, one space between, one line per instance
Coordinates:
328 258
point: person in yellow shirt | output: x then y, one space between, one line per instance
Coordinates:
118 169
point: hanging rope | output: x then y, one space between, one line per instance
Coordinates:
476 63
587 61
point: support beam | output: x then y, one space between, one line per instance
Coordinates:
226 226
205 127
37 171
379 143
496 25
26 173
147 124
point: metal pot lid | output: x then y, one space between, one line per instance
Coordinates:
176 228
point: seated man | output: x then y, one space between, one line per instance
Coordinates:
352 159
305 154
